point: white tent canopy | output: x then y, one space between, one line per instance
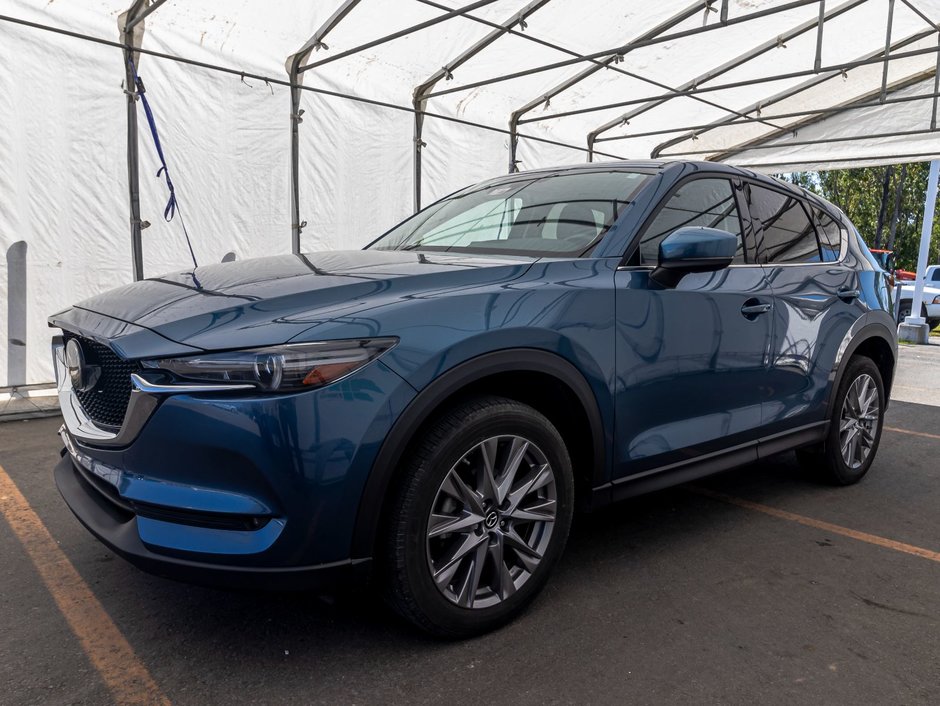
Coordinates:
396 101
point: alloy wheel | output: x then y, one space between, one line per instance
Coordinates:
858 425
491 521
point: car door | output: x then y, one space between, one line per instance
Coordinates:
816 301
691 360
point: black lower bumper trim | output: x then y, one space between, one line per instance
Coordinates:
119 533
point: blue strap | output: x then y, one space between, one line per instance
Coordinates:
172 206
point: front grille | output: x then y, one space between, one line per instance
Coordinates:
106 402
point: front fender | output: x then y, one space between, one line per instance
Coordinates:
437 392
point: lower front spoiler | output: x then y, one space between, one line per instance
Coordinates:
118 531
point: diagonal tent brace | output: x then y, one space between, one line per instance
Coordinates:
662 39
131 28
420 99
712 74
823 77
517 115
868 100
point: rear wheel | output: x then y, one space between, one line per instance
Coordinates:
480 518
854 427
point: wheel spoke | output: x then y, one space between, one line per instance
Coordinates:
446 524
460 548
542 511
487 480
455 486
471 583
854 450
503 581
529 557
539 477
516 455
847 443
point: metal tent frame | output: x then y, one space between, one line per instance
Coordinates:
582 65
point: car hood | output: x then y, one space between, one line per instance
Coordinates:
270 300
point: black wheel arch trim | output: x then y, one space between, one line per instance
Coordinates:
874 324
371 504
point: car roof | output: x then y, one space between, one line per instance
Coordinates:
681 167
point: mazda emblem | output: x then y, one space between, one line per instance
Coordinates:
83 376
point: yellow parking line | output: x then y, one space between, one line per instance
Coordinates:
913 433
819 524
106 648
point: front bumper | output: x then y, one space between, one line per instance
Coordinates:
120 532
235 488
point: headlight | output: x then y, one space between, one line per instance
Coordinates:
284 368
936 300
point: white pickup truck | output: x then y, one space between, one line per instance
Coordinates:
931 307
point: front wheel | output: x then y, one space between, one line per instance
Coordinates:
480 518
854 427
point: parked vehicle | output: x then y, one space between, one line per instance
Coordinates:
430 411
930 308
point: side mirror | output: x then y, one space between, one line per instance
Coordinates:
693 249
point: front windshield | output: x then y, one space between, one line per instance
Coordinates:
553 215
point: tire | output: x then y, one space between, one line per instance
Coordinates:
491 523
828 462
904 310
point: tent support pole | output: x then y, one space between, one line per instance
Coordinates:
126 23
817 62
420 100
936 88
884 71
926 231
294 67
296 227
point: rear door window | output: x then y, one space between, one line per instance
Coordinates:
830 235
698 202
785 233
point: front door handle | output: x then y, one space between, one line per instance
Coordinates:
753 308
848 295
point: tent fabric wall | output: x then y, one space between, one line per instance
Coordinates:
702 94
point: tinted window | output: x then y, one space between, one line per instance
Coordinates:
786 232
936 275
699 202
541 215
830 235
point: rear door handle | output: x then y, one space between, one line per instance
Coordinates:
753 310
848 295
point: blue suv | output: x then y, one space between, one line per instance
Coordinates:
430 411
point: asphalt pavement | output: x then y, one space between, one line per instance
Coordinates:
755 586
